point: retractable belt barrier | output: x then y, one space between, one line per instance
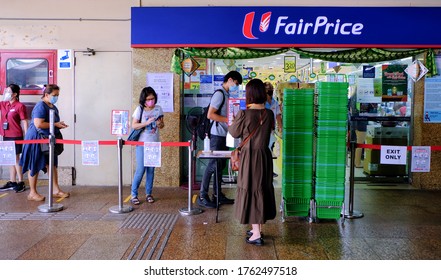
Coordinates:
378 147
120 208
352 214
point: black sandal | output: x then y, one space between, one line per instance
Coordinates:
135 201
149 199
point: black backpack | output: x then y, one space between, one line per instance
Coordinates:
204 124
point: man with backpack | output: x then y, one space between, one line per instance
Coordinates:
217 113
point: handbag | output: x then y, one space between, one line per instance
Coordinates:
135 133
235 154
44 147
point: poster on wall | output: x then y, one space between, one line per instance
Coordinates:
120 122
367 92
234 105
206 84
432 100
420 159
162 83
432 91
394 83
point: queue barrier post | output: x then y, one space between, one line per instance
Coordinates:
351 214
188 211
120 208
51 207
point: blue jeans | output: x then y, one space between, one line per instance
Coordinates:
217 143
139 173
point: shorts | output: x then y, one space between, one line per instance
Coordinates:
18 147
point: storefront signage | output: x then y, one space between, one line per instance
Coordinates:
285 26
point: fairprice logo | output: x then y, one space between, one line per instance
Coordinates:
286 25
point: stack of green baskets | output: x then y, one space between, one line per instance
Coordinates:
298 127
330 164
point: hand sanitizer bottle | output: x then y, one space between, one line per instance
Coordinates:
206 144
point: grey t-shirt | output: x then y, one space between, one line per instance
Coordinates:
151 132
219 128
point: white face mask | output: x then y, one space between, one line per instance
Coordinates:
7 94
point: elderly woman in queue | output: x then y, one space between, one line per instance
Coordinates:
33 159
255 200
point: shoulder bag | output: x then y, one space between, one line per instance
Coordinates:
135 133
235 154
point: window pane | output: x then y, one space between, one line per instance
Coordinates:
27 73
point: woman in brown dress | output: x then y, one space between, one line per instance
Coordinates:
255 201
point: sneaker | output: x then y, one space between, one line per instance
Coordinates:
19 187
205 202
9 186
223 199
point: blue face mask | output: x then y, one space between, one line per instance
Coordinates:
233 88
53 99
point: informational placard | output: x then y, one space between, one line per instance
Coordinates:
416 70
64 59
432 100
218 81
234 105
120 122
394 83
289 64
366 91
368 71
90 152
162 83
206 84
393 155
420 159
7 153
152 154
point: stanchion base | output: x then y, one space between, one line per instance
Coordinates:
120 210
354 215
193 211
54 208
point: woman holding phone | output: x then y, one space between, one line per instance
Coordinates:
150 117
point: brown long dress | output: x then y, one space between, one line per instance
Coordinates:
255 201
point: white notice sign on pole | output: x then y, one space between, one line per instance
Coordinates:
7 153
393 155
152 154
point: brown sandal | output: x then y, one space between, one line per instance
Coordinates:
36 197
61 194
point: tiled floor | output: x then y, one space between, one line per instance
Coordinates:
399 223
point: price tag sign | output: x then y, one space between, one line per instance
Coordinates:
90 153
7 153
152 154
290 64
